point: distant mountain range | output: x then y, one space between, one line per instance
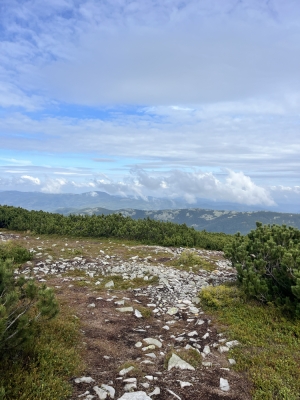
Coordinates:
204 217
210 220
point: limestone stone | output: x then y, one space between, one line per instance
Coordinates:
101 393
84 379
125 309
111 391
184 384
125 371
224 385
177 362
172 311
152 341
138 314
135 396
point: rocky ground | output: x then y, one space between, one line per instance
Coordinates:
144 333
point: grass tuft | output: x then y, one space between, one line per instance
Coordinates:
45 371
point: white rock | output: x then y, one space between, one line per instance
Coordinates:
149 377
84 394
205 336
174 394
153 341
138 314
152 355
130 387
138 344
119 303
155 391
135 396
125 371
111 391
145 385
177 362
232 343
102 394
231 361
125 309
92 305
166 327
223 349
109 284
194 333
84 379
207 364
224 385
184 384
129 380
172 311
206 350
150 347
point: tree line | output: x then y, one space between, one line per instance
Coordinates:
147 231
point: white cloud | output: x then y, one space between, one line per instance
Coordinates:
35 181
53 185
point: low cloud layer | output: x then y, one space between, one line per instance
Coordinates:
235 187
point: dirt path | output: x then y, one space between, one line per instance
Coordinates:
114 340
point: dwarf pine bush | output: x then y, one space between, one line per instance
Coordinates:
22 302
268 264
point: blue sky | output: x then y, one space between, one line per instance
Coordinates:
193 99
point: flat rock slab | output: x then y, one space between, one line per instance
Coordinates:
135 396
177 362
125 309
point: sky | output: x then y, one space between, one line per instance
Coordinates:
191 99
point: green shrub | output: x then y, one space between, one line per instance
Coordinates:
22 303
15 252
268 265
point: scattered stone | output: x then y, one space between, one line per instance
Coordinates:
125 371
232 343
207 364
111 391
223 349
231 361
135 396
138 314
102 394
155 392
125 309
110 284
184 384
152 341
174 394
84 379
224 385
172 311
177 362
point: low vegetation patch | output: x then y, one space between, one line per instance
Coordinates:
189 259
270 343
38 350
268 265
44 371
